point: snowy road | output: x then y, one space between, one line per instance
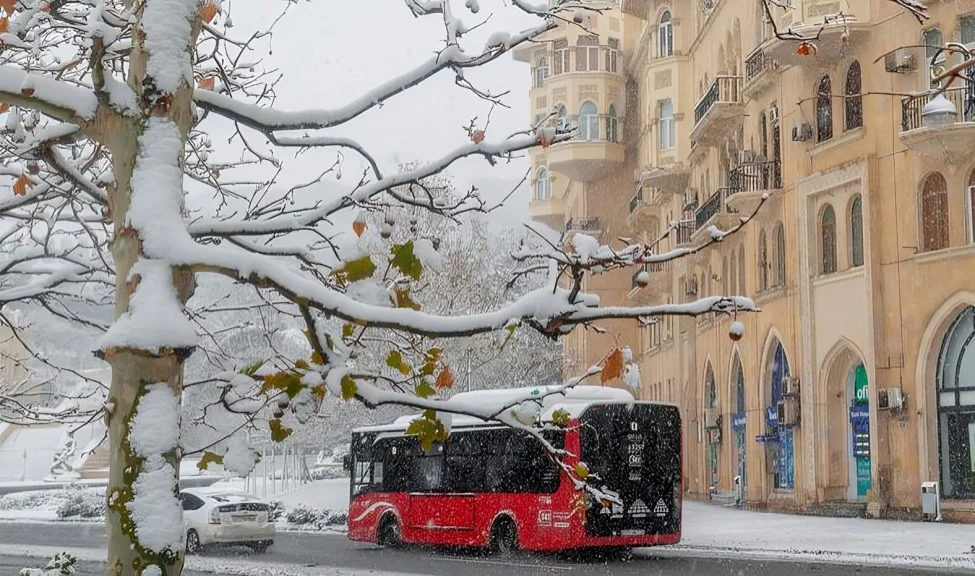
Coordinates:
300 554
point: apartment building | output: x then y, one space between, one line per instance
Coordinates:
855 385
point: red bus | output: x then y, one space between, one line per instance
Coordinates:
495 487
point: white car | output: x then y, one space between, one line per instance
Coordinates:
211 517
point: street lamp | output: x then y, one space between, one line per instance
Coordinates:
939 113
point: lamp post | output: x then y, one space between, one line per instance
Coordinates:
939 113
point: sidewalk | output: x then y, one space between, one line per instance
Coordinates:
711 531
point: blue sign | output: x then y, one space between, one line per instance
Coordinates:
860 423
769 438
738 421
772 416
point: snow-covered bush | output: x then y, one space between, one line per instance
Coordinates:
301 514
277 510
83 503
61 565
31 500
315 518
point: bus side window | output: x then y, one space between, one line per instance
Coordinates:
428 471
464 468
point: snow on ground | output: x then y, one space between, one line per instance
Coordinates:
719 531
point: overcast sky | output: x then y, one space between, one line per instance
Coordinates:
329 51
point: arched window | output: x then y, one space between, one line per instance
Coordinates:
824 110
856 231
665 33
934 213
562 125
956 407
738 418
588 122
541 72
827 232
733 270
762 262
780 255
612 125
742 285
724 276
781 466
712 404
854 100
543 185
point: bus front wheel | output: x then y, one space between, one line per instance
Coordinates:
504 537
389 533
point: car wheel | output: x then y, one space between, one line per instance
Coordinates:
261 547
193 545
390 535
504 537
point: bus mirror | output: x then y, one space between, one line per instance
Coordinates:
347 462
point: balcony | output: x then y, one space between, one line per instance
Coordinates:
760 71
718 112
749 181
660 278
585 224
549 211
683 233
714 212
641 212
638 8
671 178
595 151
835 37
952 142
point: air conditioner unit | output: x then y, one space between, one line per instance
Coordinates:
900 61
788 412
890 398
746 156
802 132
690 286
711 418
773 114
790 385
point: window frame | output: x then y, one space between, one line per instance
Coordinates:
943 236
857 256
780 261
824 109
853 101
541 72
589 122
665 34
762 262
543 184
828 263
666 125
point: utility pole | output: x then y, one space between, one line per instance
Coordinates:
470 354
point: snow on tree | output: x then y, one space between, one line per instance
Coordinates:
114 190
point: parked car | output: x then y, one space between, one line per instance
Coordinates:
211 517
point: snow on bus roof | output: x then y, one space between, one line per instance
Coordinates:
574 401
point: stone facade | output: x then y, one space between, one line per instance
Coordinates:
861 258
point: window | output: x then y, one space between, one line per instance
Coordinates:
733 270
966 29
612 125
612 55
780 255
856 231
190 502
562 125
763 135
541 72
956 407
560 57
665 33
824 110
934 40
762 262
724 276
543 185
668 133
934 213
588 122
742 285
854 101
587 53
827 231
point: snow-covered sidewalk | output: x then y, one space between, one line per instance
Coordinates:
711 531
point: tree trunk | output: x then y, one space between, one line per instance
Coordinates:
134 533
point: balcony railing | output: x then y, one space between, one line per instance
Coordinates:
636 201
684 230
711 207
755 177
580 59
591 127
653 268
724 89
583 224
757 62
963 97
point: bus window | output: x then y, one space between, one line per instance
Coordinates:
362 478
428 471
464 464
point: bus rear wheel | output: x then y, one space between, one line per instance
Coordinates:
504 537
389 534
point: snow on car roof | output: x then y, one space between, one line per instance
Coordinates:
574 401
223 496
